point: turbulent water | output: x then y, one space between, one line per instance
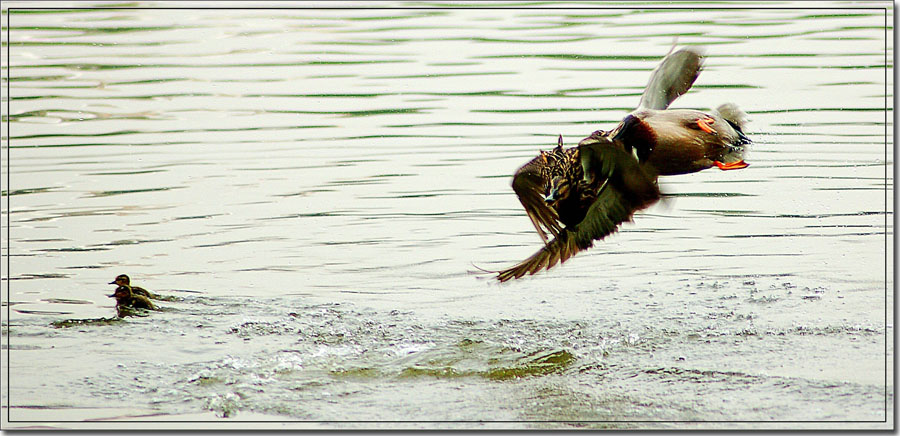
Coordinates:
317 188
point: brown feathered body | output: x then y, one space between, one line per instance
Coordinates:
126 298
674 141
565 189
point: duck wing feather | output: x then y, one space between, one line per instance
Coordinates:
528 184
672 78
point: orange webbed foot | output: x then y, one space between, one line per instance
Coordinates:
732 165
703 124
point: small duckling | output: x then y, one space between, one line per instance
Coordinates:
125 297
123 280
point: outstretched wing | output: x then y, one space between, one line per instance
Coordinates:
624 188
671 79
528 184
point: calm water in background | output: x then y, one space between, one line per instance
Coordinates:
317 187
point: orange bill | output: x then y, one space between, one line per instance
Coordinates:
732 165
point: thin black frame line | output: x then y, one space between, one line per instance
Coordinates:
9 12
231 420
458 7
8 180
8 213
886 93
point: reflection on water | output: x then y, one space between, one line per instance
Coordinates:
315 186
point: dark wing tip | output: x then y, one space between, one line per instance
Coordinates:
556 252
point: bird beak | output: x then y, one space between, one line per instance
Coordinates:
551 197
112 282
111 296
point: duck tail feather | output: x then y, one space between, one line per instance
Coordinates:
734 115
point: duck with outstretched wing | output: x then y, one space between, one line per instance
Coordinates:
582 194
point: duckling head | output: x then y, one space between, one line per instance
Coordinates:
122 292
121 280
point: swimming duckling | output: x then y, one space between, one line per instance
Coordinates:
123 280
126 298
